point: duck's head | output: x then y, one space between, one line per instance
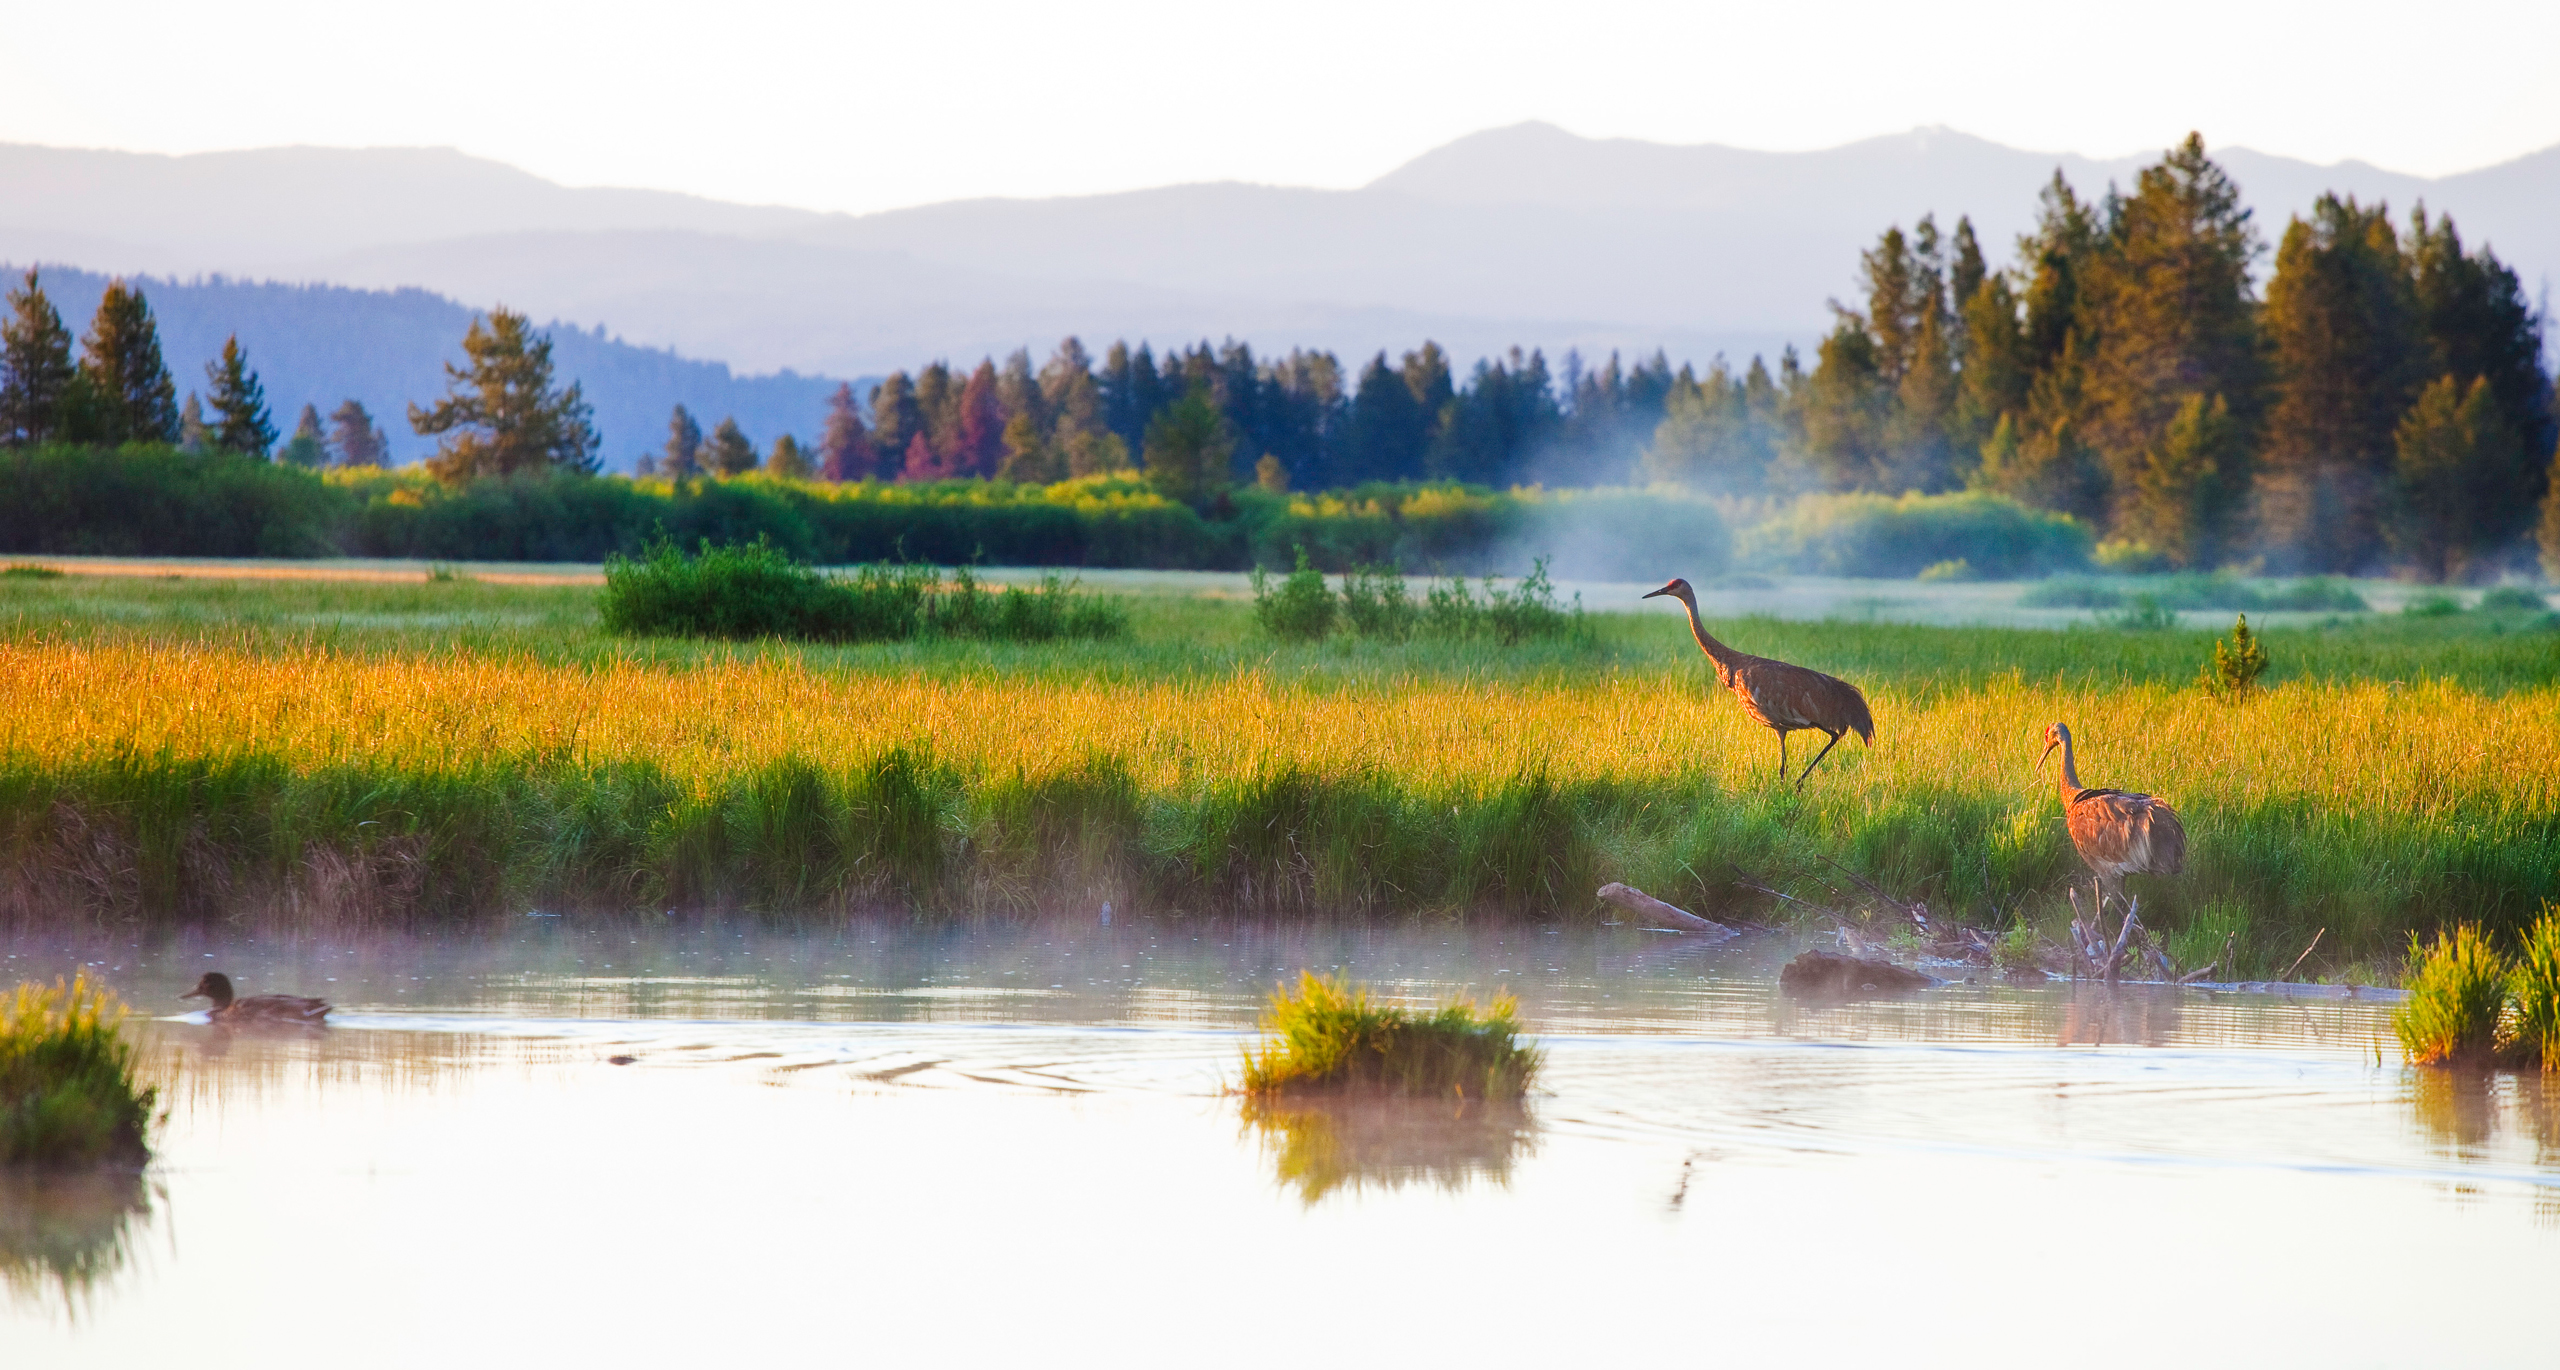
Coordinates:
1677 589
215 986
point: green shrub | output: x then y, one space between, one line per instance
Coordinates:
2233 673
144 500
1958 569
757 590
2432 606
1328 1037
68 1092
25 572
2533 986
2457 988
2122 557
1881 536
1301 610
1377 605
2145 614
2510 599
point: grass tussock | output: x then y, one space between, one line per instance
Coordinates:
2534 993
1375 605
2457 989
69 1097
756 590
1328 1037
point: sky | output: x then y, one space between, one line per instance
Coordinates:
860 107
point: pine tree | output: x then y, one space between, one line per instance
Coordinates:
1028 458
193 436
2478 323
1966 276
789 461
845 451
35 367
135 400
938 409
923 463
1018 390
896 420
1997 369
355 439
1271 475
501 416
1187 450
1390 432
729 453
1094 454
2179 505
308 446
1848 404
1717 433
1916 448
2547 533
239 403
978 440
2451 450
682 459
2342 321
2168 311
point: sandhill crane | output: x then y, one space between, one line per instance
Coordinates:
1778 696
2118 833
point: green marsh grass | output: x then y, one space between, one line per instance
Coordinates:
69 1094
2457 990
418 754
1329 1038
2534 993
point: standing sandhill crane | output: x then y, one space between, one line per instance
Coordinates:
2118 833
1778 696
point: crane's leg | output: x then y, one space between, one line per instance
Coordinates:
1817 759
1782 753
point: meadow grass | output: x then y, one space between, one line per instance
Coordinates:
1329 1037
68 1093
426 752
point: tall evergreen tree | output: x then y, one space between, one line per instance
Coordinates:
501 415
1390 432
193 436
1717 433
2547 532
309 446
938 405
789 460
2179 506
2342 320
355 439
1965 277
682 459
897 420
1188 450
239 402
2169 308
2478 324
1848 405
978 441
35 367
844 450
1028 457
1998 368
136 401
2453 454
729 453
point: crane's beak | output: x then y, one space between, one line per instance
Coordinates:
1657 593
2048 754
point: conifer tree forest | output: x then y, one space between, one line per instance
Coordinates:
2366 393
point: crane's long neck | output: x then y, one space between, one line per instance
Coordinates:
2068 784
1716 651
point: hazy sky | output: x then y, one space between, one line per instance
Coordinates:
872 106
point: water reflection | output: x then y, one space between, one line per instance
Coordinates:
2494 1120
1323 1146
64 1235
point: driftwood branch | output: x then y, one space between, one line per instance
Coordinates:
2305 956
2194 975
2124 939
1645 906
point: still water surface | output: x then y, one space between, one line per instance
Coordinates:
890 1145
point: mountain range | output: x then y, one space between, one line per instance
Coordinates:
1527 235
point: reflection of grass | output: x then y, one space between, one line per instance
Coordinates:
1319 1146
2457 986
68 1097
1328 1038
67 1232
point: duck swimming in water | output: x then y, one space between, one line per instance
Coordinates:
260 1008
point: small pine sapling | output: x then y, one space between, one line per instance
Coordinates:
2236 665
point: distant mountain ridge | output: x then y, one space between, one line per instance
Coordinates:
1525 235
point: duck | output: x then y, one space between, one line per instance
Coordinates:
258 1008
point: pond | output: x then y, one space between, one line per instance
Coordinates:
648 1143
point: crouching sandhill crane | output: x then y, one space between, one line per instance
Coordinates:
1778 696
2118 833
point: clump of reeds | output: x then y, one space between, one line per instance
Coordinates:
2457 990
68 1092
2533 990
1329 1038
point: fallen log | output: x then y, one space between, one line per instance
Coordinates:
1830 975
1645 906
